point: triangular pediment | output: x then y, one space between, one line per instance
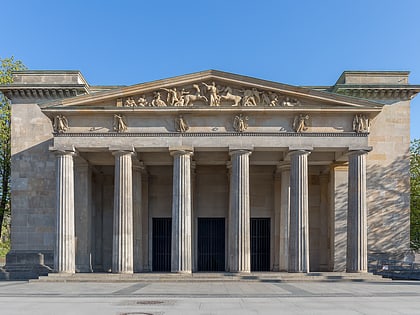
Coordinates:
211 90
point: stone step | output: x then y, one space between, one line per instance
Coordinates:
211 277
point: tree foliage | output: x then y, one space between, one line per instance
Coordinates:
8 65
415 194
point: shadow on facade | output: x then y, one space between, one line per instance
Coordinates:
388 195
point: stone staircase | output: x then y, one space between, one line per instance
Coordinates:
212 277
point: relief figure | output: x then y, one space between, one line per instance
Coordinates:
240 123
299 123
173 98
191 98
229 96
214 98
157 101
130 102
61 124
180 124
361 123
289 102
274 99
119 123
142 101
249 98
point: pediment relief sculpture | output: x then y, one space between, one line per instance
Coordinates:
209 94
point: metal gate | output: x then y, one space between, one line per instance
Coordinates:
211 244
161 246
260 244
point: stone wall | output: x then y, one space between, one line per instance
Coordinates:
388 183
33 182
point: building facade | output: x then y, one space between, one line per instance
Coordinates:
209 171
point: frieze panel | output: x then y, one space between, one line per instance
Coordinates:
203 94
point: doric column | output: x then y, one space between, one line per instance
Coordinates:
64 256
239 219
324 222
138 252
338 216
299 221
83 215
122 237
284 217
181 260
357 213
277 212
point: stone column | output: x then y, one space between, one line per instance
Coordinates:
64 256
122 238
338 216
277 213
83 215
357 213
239 219
137 219
284 217
299 221
324 223
181 260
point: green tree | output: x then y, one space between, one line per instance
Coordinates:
8 65
415 194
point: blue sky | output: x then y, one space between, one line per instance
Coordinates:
298 42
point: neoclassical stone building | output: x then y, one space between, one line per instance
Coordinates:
209 171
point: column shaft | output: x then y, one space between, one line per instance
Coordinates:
284 218
181 260
138 252
357 213
122 243
64 256
299 221
83 215
239 220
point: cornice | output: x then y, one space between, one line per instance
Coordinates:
378 92
40 92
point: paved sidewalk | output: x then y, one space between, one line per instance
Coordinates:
209 298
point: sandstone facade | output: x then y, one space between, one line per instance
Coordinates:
210 171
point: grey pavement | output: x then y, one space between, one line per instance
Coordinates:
207 298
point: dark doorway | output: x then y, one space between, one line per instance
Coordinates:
211 244
260 244
161 247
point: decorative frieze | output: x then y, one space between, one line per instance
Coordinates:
208 94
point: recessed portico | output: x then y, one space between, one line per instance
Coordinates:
216 183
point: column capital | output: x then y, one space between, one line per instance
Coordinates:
283 166
359 151
117 153
64 150
299 152
181 150
239 151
